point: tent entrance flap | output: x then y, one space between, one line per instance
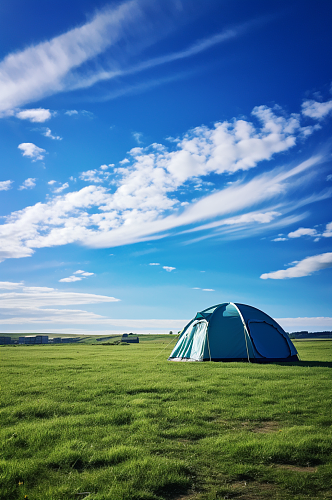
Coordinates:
193 343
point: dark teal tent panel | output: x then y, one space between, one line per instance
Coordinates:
267 340
227 334
274 343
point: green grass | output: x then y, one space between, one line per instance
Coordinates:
123 423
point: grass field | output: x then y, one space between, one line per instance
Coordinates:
120 422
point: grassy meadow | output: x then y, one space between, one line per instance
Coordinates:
120 422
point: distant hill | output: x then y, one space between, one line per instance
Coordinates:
310 335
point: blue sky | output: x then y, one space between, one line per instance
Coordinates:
158 158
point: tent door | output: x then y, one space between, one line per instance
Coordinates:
267 340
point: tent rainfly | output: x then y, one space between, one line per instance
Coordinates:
233 332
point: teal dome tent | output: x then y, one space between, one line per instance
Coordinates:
233 332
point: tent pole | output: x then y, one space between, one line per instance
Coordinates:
245 331
245 338
207 336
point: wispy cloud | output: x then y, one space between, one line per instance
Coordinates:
137 136
24 305
48 133
45 68
303 268
32 151
9 285
71 112
76 276
83 273
70 61
146 203
70 279
29 296
5 185
169 269
61 188
312 324
28 184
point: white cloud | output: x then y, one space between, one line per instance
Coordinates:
280 239
95 176
32 151
169 269
124 161
70 279
51 182
208 290
144 204
5 185
8 285
71 112
48 67
48 133
195 48
137 136
154 264
329 177
28 297
61 188
83 273
328 231
313 324
62 63
66 218
262 218
105 167
316 110
302 231
38 115
302 268
28 184
31 305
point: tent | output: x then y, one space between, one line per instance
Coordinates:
233 332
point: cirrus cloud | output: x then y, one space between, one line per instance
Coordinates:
303 268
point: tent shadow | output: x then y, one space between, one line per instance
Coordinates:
306 364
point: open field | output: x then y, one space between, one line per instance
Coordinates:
122 423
